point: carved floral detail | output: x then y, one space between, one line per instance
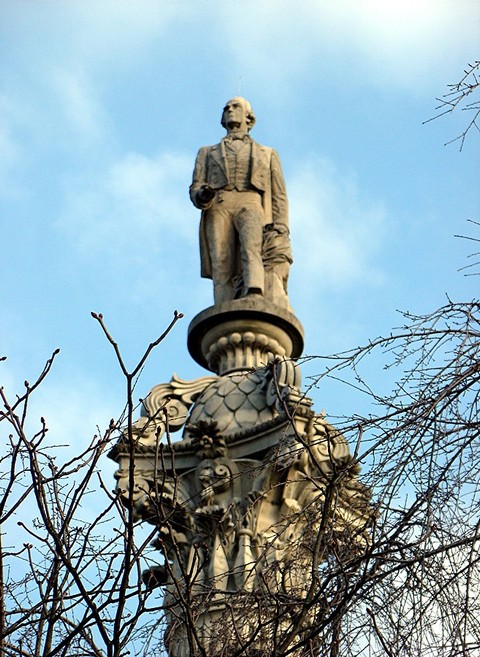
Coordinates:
250 528
207 439
228 524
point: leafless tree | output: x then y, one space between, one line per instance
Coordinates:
71 578
462 96
416 591
70 568
412 590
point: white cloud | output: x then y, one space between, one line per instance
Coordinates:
108 32
117 31
8 148
13 154
60 109
84 115
405 43
65 54
73 405
134 224
336 232
128 209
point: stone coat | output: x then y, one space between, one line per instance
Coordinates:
266 177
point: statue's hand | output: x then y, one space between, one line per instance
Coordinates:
205 194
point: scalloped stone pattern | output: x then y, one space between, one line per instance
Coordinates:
235 401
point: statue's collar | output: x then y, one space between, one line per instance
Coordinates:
232 136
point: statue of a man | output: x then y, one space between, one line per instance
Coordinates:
244 238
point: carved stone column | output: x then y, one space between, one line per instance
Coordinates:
244 334
243 502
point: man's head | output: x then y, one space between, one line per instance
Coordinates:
238 115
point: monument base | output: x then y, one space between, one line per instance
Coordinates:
243 334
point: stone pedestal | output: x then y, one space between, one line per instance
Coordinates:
243 334
256 494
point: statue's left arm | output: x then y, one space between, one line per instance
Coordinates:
278 191
201 194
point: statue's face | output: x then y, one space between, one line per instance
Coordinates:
235 115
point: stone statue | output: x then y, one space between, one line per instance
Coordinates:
244 236
260 490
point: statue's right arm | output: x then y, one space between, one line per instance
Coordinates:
201 194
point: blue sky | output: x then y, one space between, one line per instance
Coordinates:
103 106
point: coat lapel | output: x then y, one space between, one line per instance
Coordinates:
260 166
219 155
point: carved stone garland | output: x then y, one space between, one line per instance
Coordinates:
239 504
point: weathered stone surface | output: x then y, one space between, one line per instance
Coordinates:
244 236
233 409
244 334
242 504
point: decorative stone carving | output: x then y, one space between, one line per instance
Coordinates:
242 503
243 334
167 405
249 526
